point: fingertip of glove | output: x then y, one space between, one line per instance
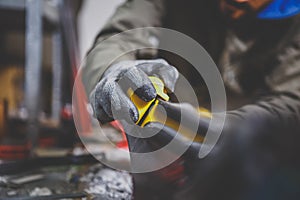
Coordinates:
134 115
146 92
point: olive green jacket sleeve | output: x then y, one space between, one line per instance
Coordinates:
281 106
112 45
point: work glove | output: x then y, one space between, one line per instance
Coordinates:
109 99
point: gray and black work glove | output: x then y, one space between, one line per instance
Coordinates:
109 98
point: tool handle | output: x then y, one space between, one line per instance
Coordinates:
186 116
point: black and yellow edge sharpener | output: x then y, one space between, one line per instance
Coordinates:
148 111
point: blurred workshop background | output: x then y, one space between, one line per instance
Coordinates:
42 43
42 46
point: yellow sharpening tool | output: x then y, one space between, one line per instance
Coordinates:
151 112
144 108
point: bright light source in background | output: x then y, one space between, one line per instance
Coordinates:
92 17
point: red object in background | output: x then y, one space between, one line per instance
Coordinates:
79 102
174 173
66 112
124 143
15 151
46 142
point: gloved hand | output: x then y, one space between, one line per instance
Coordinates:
109 96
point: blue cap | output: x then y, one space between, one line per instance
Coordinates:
279 9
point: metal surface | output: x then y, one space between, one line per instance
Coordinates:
33 65
12 4
107 184
52 197
21 166
68 182
70 37
56 74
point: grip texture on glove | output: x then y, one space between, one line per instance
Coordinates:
109 99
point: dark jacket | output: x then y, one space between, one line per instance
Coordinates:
259 60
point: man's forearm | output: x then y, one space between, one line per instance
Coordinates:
130 15
272 124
